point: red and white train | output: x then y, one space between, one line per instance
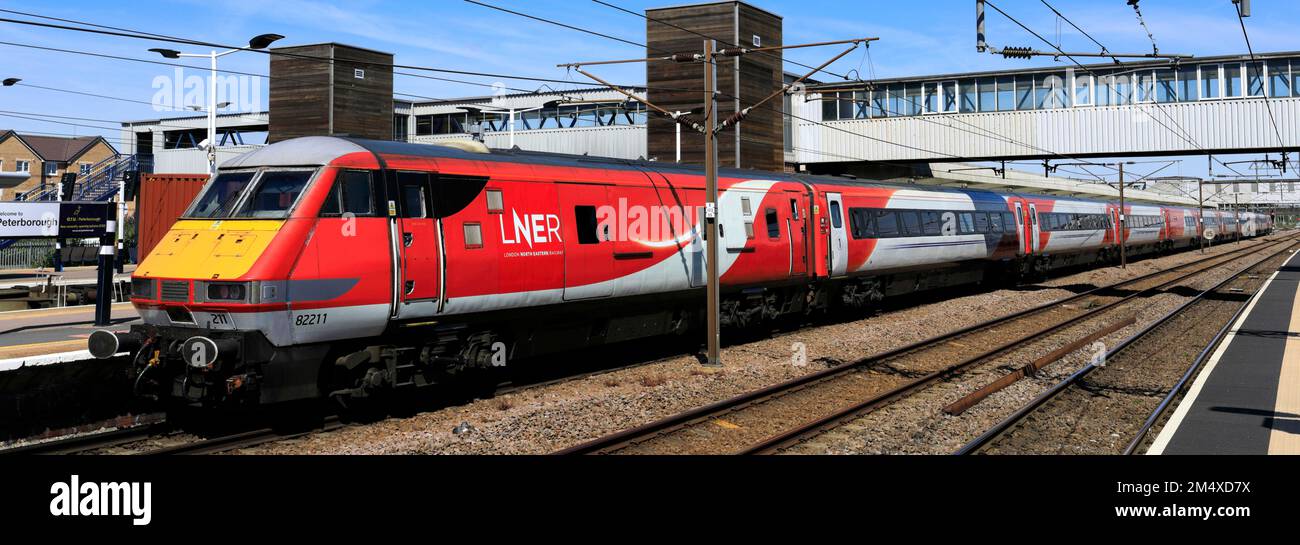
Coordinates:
328 266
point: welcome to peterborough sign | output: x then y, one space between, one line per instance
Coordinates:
53 219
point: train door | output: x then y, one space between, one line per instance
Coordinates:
797 227
419 242
1033 229
838 245
1117 232
1026 233
588 246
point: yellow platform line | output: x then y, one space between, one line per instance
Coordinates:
60 311
41 349
1284 437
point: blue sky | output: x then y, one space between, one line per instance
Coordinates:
917 37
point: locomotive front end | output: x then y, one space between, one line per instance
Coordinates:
212 295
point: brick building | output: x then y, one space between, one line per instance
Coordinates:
47 158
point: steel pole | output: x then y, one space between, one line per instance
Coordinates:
1123 223
711 211
104 286
1200 212
212 117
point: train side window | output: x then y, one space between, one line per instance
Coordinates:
331 205
358 193
1009 220
794 209
981 222
473 236
910 223
773 227
861 222
836 220
585 220
413 188
886 224
967 223
495 201
745 207
932 223
995 222
749 230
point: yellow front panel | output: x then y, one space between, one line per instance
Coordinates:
209 249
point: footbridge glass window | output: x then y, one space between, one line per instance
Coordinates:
1123 89
1024 93
1279 79
914 99
988 95
1166 86
1082 89
931 98
1295 78
969 97
1006 94
1105 90
1187 88
1232 80
1211 84
950 96
1255 79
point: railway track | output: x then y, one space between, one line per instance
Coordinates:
247 439
1109 407
779 416
90 442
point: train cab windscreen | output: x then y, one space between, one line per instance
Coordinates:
267 194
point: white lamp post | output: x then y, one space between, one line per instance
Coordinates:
510 124
258 42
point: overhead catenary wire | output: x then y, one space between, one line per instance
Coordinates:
725 43
1184 134
990 134
140 35
1251 49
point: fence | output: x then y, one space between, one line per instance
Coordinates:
27 254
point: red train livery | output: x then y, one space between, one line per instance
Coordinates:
328 266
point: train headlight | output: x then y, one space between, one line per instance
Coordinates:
228 291
143 288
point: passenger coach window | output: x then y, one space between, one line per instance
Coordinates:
862 223
932 223
886 224
585 220
911 223
773 227
836 221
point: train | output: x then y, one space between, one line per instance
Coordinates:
332 267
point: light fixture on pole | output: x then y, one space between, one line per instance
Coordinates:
10 82
511 112
258 42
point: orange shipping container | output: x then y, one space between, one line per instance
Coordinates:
162 200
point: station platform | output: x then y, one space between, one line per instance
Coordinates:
78 276
1246 400
52 335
